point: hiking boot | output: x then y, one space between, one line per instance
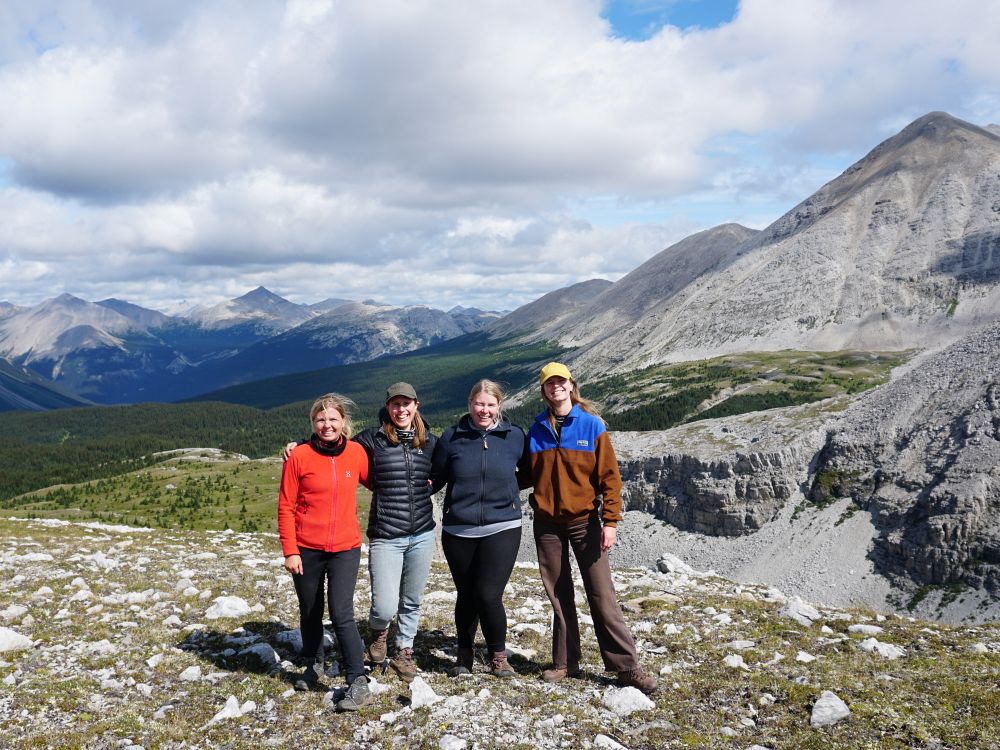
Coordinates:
638 679
402 664
378 649
463 663
554 674
309 679
499 666
357 695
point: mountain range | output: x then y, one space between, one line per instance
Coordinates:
900 252
113 351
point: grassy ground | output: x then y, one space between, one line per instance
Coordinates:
180 493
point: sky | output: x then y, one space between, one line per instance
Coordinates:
441 152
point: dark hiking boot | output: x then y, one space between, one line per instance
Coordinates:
309 679
499 666
357 695
378 649
402 664
463 663
638 679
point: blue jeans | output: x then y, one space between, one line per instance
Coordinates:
399 568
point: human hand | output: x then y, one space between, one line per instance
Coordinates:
286 452
293 564
609 535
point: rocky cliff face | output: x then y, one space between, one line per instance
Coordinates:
725 477
922 455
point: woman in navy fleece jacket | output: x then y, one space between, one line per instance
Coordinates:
481 526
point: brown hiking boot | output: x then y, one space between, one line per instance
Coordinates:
638 679
463 663
378 649
402 664
554 674
499 666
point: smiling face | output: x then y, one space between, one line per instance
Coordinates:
483 409
401 411
328 424
558 391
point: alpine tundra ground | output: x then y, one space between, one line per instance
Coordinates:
121 637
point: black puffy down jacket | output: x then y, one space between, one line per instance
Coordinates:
401 496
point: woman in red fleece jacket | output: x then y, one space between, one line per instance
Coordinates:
321 540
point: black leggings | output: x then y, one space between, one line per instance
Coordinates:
481 567
339 570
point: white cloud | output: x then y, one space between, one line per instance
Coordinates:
490 151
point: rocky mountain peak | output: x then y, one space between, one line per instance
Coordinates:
261 298
902 250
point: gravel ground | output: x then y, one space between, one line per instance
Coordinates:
818 555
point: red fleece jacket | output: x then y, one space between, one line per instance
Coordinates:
317 505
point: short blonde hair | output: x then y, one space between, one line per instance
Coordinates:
491 388
339 403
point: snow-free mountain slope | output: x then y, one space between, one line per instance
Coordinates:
902 250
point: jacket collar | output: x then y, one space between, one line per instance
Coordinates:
573 414
465 425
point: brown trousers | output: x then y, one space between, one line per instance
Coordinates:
552 542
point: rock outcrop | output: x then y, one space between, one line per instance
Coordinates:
721 477
922 455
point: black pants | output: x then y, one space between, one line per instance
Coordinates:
339 571
481 567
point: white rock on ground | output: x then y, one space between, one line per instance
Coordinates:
735 661
227 606
885 650
422 694
626 700
11 640
800 611
606 743
828 710
862 629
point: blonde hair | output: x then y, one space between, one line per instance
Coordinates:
490 388
338 403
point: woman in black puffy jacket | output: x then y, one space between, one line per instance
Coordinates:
400 524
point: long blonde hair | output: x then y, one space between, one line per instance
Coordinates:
338 403
491 388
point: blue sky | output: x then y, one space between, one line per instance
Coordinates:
640 19
462 152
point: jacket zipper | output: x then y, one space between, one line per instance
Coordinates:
408 464
333 505
482 485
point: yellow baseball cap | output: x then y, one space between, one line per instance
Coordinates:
554 369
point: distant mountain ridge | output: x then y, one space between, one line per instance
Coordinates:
114 351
